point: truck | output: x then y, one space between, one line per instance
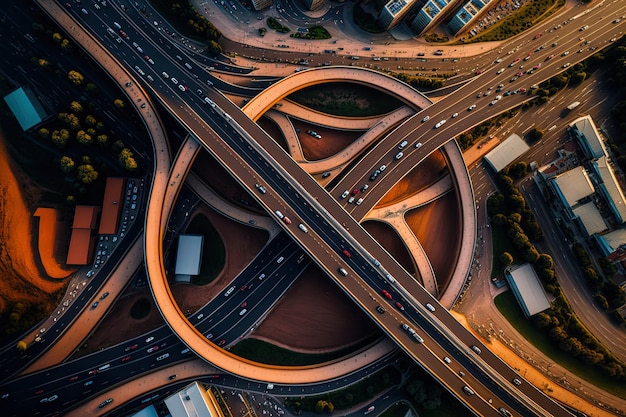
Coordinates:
573 105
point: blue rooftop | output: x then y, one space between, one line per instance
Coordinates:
27 109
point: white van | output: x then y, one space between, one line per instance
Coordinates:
104 367
242 312
149 77
430 307
403 144
279 214
390 278
476 349
187 65
279 260
468 390
399 155
117 25
303 228
229 291
343 272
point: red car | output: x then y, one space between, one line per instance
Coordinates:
287 220
244 304
386 294
245 287
93 372
74 378
355 191
400 306
222 342
39 392
126 358
347 253
133 347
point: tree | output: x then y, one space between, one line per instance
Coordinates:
56 37
506 258
67 164
70 119
90 120
76 107
558 334
102 140
531 254
535 134
119 103
542 320
319 406
87 174
43 63
545 261
60 137
91 88
127 160
65 44
84 137
43 133
75 77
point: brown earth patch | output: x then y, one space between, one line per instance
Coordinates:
437 227
391 241
52 234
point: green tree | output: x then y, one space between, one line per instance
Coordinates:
91 88
319 406
545 261
87 174
119 103
102 140
75 77
506 258
67 164
76 107
43 133
83 137
60 137
127 160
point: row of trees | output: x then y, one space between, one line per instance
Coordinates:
610 296
429 83
508 209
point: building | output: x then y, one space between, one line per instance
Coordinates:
506 152
82 242
430 15
467 15
27 109
193 401
313 4
613 244
571 187
584 131
609 188
189 256
527 289
393 12
261 4
112 205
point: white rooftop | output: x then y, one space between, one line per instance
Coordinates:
612 186
191 401
591 218
506 152
529 293
574 185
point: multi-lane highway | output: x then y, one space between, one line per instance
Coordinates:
298 196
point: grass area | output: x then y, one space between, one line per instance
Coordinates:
501 243
213 252
263 352
345 99
507 305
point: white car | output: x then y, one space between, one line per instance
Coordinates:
441 123
425 119
359 201
454 115
500 71
150 339
419 144
174 80
345 194
399 155
181 87
472 107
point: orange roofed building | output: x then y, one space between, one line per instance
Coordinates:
112 205
82 242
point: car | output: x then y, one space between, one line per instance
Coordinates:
468 390
549 57
88 383
261 277
472 107
92 372
182 87
351 200
347 253
403 144
382 168
522 90
517 381
105 402
126 358
479 95
326 174
94 305
199 316
497 61
153 348
386 294
380 309
287 220
555 44
229 291
279 260
492 102
375 175
164 356
222 342
399 155
174 80
355 191
447 360
44 400
279 214
364 188
441 123
105 295
476 349
172 377
430 307
617 20
185 351
345 194
504 412
567 64
242 312
565 53
243 288
425 119
399 306
150 339
453 116
303 228
359 201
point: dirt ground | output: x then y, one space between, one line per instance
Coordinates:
23 276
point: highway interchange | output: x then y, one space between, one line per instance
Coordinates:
327 236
